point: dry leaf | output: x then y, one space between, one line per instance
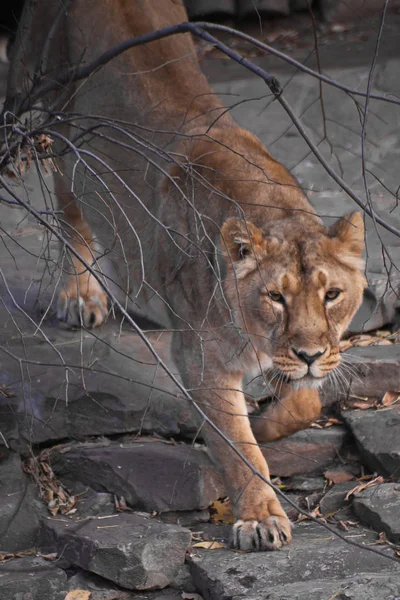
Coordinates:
193 596
383 333
78 595
338 476
363 486
333 421
316 513
379 338
51 556
390 398
209 545
382 539
360 402
221 512
347 524
6 556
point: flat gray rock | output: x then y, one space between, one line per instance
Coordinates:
149 475
124 391
316 565
307 451
379 507
365 587
335 498
132 551
374 371
32 579
377 433
20 507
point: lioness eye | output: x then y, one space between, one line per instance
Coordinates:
332 294
276 297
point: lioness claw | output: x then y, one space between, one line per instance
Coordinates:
86 312
269 534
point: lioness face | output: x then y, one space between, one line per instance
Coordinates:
297 294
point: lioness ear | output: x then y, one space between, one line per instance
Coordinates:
348 233
241 239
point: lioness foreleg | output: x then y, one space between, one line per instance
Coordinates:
82 301
261 523
292 411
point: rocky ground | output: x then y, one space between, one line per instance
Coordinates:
106 490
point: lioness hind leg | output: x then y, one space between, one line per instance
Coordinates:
82 301
294 410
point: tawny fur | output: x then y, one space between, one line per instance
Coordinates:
237 232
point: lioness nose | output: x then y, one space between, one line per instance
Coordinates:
307 358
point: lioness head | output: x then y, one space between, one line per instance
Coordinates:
294 291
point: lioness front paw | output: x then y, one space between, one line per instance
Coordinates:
87 310
269 534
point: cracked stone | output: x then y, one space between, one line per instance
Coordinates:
151 476
379 507
134 399
132 551
32 579
307 451
377 433
312 567
377 370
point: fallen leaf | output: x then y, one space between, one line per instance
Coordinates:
333 421
208 546
379 338
186 596
360 402
6 556
363 486
221 512
338 476
316 513
390 398
346 525
78 595
382 538
51 556
381 333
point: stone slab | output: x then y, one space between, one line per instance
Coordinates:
379 507
32 579
151 476
125 390
307 451
335 498
316 565
134 552
376 370
377 433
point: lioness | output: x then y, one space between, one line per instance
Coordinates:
204 232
